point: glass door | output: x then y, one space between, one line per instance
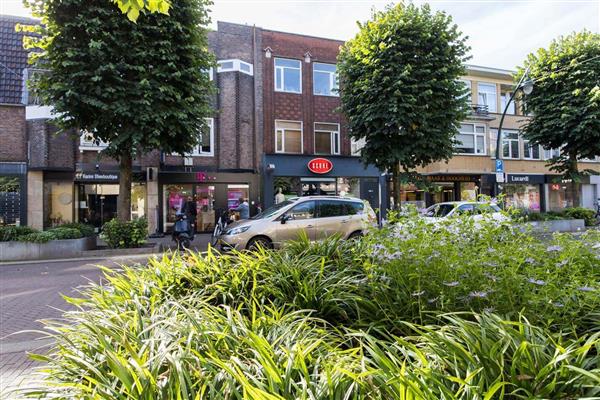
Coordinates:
205 203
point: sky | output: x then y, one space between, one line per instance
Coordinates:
501 32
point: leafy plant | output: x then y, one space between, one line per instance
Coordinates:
65 233
37 237
84 229
10 232
581 213
125 234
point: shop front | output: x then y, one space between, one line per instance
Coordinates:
446 187
524 192
96 195
13 194
212 192
287 176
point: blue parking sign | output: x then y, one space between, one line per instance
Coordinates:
499 165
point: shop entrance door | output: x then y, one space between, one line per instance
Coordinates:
102 208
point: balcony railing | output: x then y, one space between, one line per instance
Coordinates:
87 142
480 109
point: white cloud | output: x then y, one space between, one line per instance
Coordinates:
501 32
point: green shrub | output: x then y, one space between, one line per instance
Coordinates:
37 237
121 234
10 232
582 213
65 233
84 229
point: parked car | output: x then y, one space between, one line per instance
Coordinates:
317 216
476 209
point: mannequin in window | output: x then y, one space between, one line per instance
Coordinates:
279 197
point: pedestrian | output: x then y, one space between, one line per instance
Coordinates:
243 208
191 212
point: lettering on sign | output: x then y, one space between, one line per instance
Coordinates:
96 176
320 165
555 186
451 178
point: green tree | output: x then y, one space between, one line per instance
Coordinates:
401 90
137 86
565 103
133 7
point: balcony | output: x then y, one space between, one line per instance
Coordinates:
480 109
87 142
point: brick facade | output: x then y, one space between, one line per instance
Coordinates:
13 139
305 107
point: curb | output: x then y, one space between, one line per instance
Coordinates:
57 260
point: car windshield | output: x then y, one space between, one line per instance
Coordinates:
269 212
439 210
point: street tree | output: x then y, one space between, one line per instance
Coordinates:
132 8
136 86
400 88
565 103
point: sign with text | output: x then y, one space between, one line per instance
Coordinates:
500 177
96 176
499 165
320 166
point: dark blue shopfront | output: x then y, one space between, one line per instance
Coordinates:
286 176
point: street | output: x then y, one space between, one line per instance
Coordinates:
30 292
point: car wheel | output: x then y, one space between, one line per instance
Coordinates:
259 242
355 235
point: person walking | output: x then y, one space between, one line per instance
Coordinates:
243 208
191 212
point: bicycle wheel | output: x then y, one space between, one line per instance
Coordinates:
216 233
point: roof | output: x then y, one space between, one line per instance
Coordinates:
13 58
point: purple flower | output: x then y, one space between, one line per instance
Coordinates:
586 289
563 263
451 284
554 248
478 294
417 294
538 282
530 260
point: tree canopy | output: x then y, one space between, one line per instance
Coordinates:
401 90
136 86
565 102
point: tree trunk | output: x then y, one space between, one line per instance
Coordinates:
397 186
124 199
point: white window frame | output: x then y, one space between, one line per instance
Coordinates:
475 135
282 130
210 72
356 146
551 153
512 109
280 70
495 95
518 140
528 152
198 148
333 80
236 66
334 137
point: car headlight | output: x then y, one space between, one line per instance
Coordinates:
237 231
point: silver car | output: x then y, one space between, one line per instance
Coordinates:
317 217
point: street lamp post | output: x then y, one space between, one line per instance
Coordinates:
526 85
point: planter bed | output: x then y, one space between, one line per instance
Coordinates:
559 225
22 251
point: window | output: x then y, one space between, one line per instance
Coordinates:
325 79
467 84
206 141
332 208
471 138
209 72
510 144
234 65
466 209
532 152
504 97
288 137
356 145
487 95
304 210
551 153
288 75
327 138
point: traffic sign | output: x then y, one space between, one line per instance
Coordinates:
499 165
499 177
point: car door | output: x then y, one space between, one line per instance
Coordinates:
332 218
466 209
298 219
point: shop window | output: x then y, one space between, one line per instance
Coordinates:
410 194
97 203
205 201
525 197
557 197
10 200
138 200
532 151
486 95
327 138
510 144
288 75
468 191
472 139
235 193
348 187
58 203
325 79
288 137
285 188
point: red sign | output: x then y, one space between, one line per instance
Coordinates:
555 186
320 165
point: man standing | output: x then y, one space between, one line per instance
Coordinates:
243 208
189 209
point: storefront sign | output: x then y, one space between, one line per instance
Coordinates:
525 179
320 165
452 178
203 177
96 176
555 186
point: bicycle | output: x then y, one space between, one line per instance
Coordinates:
220 227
